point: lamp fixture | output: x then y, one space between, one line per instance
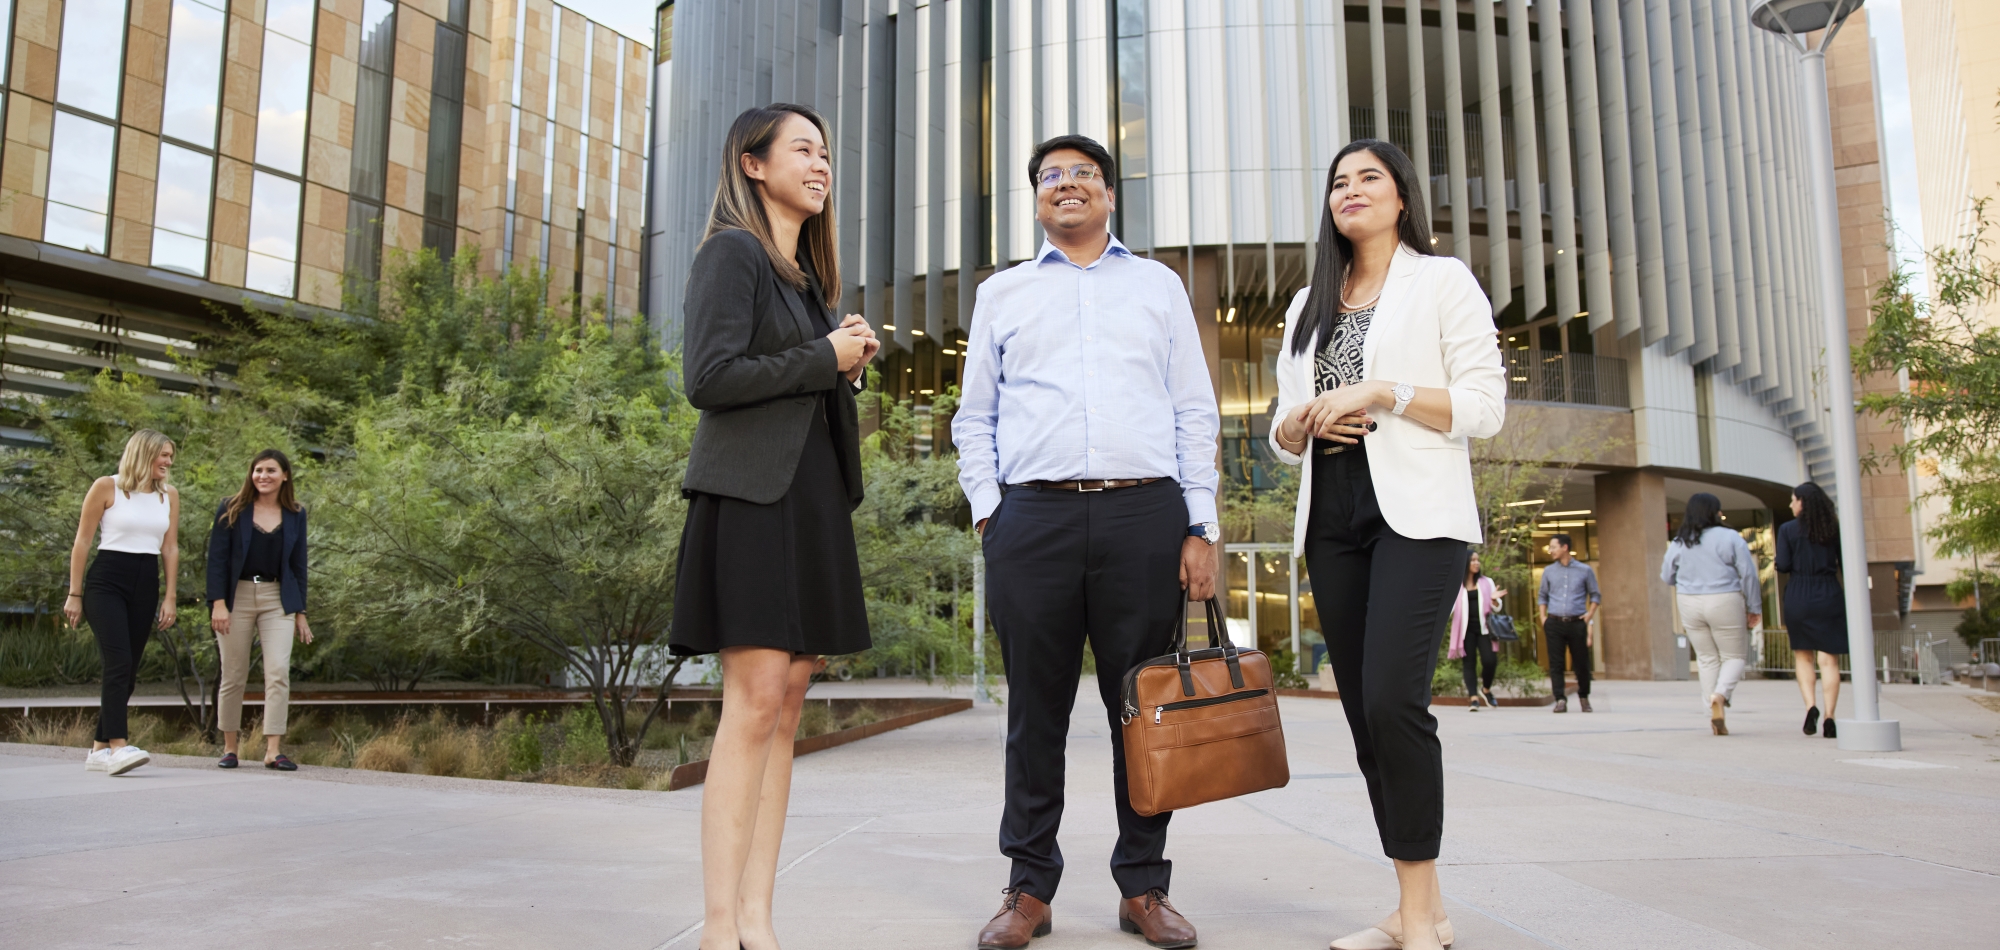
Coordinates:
1536 501
889 326
949 352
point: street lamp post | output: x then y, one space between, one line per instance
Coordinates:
1867 731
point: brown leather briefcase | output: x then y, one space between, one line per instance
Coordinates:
1201 726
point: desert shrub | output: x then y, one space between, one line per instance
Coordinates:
865 715
390 752
816 719
519 741
583 741
73 729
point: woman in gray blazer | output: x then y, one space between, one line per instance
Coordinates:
768 573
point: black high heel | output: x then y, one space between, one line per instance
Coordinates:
1826 729
1812 719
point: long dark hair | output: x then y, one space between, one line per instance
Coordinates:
247 495
1322 309
1704 511
740 206
1821 525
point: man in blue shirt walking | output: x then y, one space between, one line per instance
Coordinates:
1568 601
1086 435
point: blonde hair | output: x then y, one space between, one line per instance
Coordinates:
135 467
738 206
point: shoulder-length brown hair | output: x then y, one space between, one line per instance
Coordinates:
247 495
739 205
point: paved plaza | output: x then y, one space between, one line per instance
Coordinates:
1630 828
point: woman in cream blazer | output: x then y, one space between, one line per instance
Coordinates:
1391 365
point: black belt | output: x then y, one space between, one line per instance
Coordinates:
260 579
1564 619
1084 485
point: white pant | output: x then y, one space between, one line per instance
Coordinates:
1715 626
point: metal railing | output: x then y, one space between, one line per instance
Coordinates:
1550 376
1901 656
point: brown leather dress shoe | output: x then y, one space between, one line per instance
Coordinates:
1586 703
1021 919
1150 916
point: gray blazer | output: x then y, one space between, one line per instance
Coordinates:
755 364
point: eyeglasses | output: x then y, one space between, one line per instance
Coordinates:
1051 177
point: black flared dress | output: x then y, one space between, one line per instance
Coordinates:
1815 607
782 575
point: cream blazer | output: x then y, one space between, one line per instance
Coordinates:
1432 327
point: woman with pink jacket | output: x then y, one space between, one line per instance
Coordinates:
1472 644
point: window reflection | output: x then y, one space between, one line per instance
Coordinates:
194 72
281 103
93 54
6 16
180 210
80 151
293 18
274 234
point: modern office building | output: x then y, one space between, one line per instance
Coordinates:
1627 178
1953 51
162 156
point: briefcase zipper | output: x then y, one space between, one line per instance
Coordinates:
1209 701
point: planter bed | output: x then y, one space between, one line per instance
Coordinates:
1435 700
694 773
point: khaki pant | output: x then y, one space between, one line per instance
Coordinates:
259 615
1715 627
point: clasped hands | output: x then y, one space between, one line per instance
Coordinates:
1337 415
854 344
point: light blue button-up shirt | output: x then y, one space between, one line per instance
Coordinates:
1719 564
1086 373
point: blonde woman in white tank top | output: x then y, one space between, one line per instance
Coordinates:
138 513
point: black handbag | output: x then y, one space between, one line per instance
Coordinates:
1501 626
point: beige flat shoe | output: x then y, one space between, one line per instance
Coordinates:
1375 938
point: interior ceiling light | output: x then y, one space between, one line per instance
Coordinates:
888 326
1553 514
949 352
1232 316
1536 501
916 333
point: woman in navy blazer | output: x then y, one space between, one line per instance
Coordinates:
257 591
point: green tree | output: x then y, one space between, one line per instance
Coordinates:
543 509
1948 348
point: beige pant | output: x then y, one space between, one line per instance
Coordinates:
259 615
1715 626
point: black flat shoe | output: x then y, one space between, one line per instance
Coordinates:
1826 729
1812 720
228 761
282 764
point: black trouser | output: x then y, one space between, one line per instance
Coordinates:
1480 650
121 600
1570 635
1384 601
1063 567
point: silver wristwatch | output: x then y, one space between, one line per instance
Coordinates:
1208 531
1404 393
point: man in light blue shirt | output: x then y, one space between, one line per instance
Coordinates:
1086 436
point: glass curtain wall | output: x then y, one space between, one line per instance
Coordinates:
441 165
90 72
277 185
182 209
1134 223
368 173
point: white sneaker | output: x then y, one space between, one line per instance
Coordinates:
126 758
99 760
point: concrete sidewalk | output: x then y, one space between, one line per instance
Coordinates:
1628 828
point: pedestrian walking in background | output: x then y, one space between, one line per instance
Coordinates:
1086 445
257 593
138 513
1389 368
1472 643
1714 576
1567 601
769 577
1815 608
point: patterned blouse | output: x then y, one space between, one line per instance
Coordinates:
1338 362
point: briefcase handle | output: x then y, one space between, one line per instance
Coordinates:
1218 630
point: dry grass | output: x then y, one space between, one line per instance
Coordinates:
530 749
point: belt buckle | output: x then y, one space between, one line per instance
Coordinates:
1080 483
